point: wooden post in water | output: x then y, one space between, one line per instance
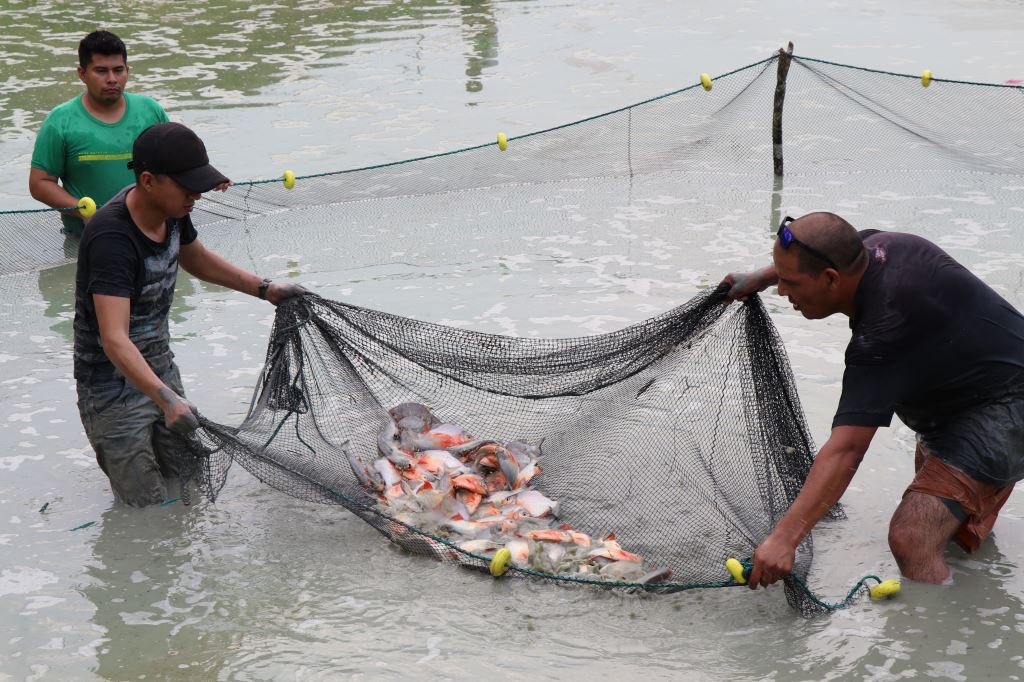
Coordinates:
785 57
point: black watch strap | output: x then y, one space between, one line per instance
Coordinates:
262 290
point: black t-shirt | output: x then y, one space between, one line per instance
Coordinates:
116 259
933 344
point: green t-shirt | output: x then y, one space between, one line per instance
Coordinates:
89 156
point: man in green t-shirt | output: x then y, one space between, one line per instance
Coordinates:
86 142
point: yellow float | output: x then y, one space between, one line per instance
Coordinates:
86 207
885 589
499 563
735 569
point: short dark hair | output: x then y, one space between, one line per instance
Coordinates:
834 237
100 42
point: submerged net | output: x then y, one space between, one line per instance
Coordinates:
682 434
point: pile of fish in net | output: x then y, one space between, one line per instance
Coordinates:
475 493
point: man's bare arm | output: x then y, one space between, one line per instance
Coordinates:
196 259
209 267
44 188
113 314
830 475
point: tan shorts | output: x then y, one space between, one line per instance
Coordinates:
979 501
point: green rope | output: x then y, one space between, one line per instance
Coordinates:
748 566
38 210
565 125
907 75
518 137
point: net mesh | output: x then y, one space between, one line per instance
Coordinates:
682 434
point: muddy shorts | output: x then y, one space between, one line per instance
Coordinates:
126 429
974 503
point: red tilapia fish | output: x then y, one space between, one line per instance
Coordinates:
475 493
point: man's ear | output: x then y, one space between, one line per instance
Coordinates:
145 180
81 73
833 278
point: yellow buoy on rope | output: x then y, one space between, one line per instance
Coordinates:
289 179
735 569
499 563
926 80
885 589
705 80
502 141
86 207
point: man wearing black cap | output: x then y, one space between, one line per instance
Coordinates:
129 391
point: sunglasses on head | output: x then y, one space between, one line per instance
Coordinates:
786 238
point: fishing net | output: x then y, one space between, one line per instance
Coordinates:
681 434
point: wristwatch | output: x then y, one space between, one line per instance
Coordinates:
262 289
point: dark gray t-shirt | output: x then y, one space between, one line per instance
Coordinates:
116 259
938 347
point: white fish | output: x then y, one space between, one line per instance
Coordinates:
480 546
523 452
366 476
508 464
413 414
451 430
388 473
536 504
435 460
467 529
622 571
387 444
501 496
520 550
525 475
554 552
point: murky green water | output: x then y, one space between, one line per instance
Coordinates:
261 586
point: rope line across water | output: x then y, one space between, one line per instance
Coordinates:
249 183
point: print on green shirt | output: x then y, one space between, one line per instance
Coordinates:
89 156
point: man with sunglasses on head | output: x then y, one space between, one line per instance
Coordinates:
130 395
932 344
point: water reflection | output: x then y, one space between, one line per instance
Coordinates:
480 31
146 592
57 290
980 610
217 55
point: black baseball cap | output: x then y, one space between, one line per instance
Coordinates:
174 150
